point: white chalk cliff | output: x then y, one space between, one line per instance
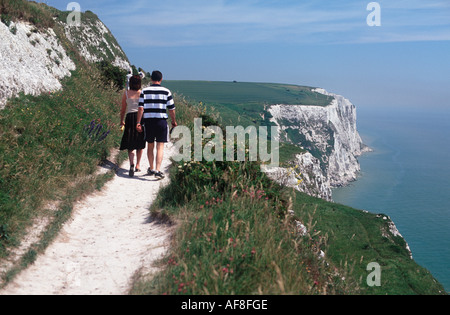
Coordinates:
330 136
33 61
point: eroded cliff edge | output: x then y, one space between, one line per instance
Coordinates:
330 137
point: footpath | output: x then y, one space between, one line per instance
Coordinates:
108 240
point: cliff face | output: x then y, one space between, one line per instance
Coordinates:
95 42
33 60
330 136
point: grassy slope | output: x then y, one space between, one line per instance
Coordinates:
47 158
235 236
356 238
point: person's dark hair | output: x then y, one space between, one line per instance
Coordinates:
156 76
135 83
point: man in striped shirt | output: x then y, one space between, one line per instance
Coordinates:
155 105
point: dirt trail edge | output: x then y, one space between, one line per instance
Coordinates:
109 238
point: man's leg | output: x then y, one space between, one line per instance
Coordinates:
159 155
139 157
151 155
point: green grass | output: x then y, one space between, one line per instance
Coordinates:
35 13
45 148
48 152
235 235
356 238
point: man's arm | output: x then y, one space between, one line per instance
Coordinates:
172 117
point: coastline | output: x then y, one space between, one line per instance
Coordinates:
398 179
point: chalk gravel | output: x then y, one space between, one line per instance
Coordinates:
108 240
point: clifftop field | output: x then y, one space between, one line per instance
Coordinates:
243 103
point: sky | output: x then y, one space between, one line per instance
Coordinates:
402 60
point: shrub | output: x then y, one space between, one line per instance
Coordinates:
112 75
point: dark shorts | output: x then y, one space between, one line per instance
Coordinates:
156 130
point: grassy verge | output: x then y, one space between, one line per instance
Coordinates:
50 147
235 236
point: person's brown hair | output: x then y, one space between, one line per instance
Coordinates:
135 83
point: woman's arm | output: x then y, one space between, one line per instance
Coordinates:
123 110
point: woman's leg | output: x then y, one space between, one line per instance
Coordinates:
139 157
131 157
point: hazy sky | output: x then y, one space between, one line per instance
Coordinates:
404 61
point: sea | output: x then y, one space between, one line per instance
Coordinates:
407 177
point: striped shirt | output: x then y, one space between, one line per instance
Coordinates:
156 100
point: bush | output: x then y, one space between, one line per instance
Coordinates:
112 75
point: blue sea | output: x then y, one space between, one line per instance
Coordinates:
407 177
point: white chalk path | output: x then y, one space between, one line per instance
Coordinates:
109 238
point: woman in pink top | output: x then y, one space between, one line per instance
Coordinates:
132 140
